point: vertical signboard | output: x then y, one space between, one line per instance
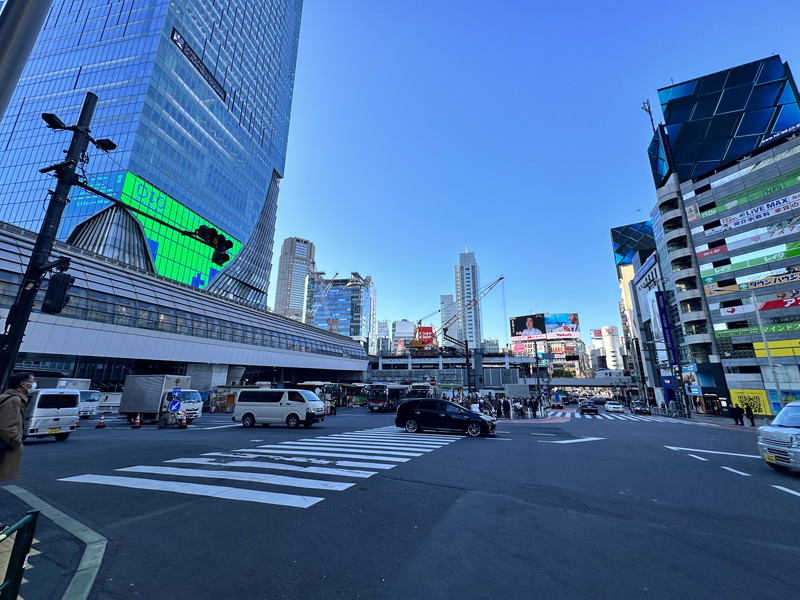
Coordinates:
669 340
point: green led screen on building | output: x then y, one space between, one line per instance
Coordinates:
175 255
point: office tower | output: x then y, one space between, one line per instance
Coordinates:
726 164
197 96
467 288
295 267
449 309
346 306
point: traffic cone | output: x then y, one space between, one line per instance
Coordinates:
137 424
102 422
183 424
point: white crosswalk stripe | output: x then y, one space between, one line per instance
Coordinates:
323 464
619 417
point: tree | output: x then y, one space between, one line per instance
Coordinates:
559 372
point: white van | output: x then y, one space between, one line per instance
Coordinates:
52 411
90 400
265 407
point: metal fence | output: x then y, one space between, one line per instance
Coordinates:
24 530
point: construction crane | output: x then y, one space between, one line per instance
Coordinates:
321 292
417 343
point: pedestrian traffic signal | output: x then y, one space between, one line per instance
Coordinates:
56 298
216 240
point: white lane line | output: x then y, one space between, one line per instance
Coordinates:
548 434
698 457
313 484
298 459
586 439
737 472
787 490
712 452
340 454
298 446
391 440
219 427
199 489
368 445
275 466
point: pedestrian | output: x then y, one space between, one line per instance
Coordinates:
739 415
748 411
333 407
535 408
507 408
12 416
734 414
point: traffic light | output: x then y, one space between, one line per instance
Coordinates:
217 241
56 298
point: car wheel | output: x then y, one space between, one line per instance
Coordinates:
780 468
292 422
412 426
248 420
61 437
474 429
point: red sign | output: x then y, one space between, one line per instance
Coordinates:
712 251
426 335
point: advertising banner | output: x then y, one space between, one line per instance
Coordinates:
756 399
528 327
597 333
788 396
666 329
426 335
562 326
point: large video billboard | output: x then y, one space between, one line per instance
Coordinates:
528 327
562 325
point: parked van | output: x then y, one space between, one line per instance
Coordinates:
266 406
52 411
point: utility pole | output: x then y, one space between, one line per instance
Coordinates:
40 263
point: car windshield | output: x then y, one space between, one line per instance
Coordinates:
89 396
310 396
788 417
188 397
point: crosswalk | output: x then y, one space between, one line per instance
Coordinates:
617 417
326 464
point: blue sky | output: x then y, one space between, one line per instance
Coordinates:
423 127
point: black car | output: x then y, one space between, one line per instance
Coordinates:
587 406
640 408
428 413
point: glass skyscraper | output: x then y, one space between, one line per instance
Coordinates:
197 96
295 271
346 306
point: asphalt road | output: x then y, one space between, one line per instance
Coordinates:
354 508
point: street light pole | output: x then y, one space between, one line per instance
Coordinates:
39 265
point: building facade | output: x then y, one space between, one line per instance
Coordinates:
448 312
346 306
295 267
468 285
197 96
726 163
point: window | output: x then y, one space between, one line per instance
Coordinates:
260 396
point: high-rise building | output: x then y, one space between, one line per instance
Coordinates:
468 286
346 306
726 165
197 96
295 267
449 309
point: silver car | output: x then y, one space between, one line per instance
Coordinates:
779 442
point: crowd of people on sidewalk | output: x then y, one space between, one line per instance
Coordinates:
504 408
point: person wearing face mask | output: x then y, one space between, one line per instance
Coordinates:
12 415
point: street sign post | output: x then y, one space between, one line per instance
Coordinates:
176 392
175 406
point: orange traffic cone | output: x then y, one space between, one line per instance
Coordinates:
183 424
102 422
137 424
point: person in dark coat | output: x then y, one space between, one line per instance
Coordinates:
12 416
507 408
748 411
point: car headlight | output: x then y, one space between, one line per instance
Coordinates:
796 441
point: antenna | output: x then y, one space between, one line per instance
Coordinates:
646 108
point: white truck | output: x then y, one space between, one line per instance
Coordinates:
150 396
90 399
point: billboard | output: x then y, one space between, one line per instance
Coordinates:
562 326
426 335
528 327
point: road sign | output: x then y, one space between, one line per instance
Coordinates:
175 406
176 392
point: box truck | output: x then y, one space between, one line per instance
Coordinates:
153 395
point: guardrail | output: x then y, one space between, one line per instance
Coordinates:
24 530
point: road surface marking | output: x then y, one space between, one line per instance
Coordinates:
737 472
356 445
257 464
698 457
713 452
297 459
198 489
549 434
314 484
586 439
216 427
302 447
498 439
787 490
340 454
